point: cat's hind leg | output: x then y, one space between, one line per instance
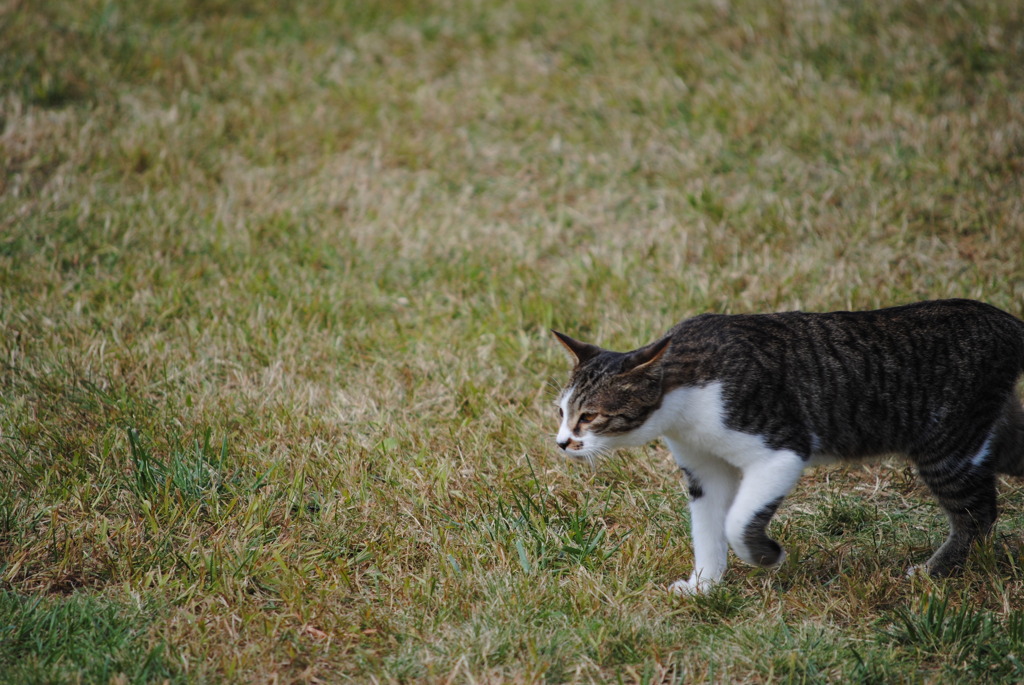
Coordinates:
1008 439
767 479
966 490
712 485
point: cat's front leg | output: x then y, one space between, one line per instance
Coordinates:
768 477
712 485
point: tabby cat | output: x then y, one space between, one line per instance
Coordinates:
746 402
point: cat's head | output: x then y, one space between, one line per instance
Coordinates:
609 398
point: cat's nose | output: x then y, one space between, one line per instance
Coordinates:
563 443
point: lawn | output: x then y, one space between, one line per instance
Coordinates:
276 279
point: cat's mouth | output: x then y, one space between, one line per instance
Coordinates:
580 453
573 446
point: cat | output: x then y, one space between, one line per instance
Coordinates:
746 401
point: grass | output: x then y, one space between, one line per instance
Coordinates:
77 638
275 285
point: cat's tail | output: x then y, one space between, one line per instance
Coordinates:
1008 440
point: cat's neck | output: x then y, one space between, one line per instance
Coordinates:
689 408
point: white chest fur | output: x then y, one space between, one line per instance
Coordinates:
694 418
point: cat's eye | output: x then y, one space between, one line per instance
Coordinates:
587 418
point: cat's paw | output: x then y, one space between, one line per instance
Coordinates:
916 571
690 587
920 571
685 588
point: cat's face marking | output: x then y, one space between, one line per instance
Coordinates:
585 425
568 437
609 397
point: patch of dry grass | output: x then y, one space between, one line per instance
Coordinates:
274 292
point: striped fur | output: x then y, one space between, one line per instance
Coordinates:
731 393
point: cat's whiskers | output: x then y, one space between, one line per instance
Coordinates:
595 454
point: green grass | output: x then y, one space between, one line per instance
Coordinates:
275 285
78 637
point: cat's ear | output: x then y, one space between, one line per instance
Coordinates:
646 357
580 350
